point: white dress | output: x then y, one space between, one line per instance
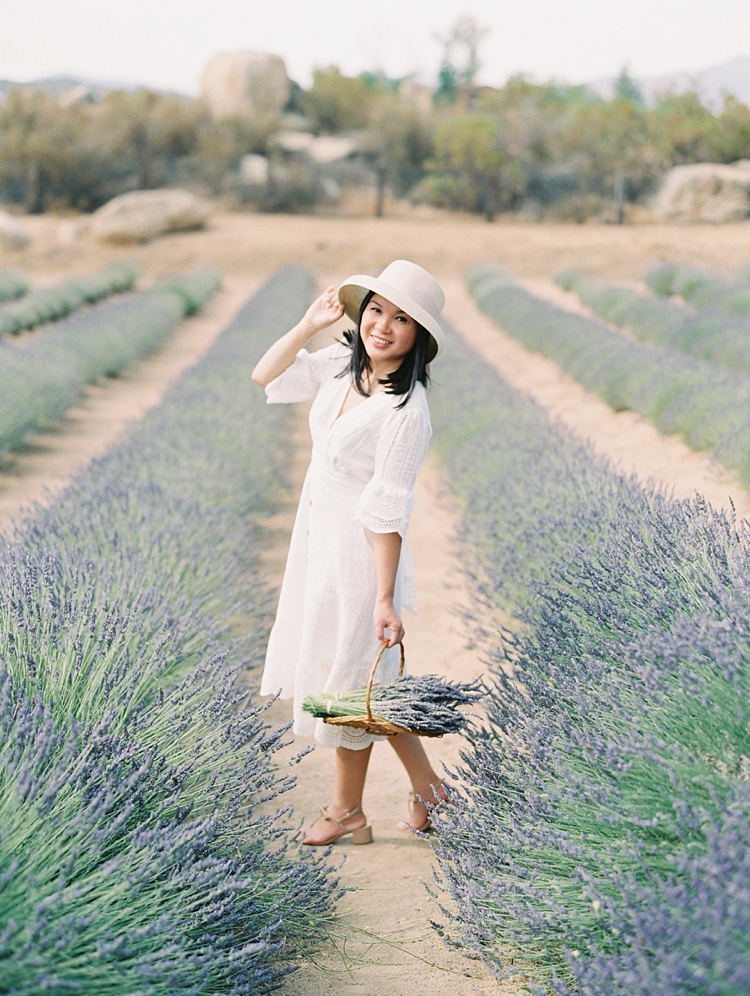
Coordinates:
360 481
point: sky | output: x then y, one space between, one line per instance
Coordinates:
166 43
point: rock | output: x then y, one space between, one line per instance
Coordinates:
249 84
709 192
332 148
324 149
254 169
12 234
145 214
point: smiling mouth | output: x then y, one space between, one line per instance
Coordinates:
380 342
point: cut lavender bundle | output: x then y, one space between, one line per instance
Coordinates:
426 704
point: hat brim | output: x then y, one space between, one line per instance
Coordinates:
354 290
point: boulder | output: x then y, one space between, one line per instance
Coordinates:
12 234
146 214
324 149
254 170
709 192
249 84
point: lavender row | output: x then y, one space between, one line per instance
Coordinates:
141 848
702 289
603 844
709 406
13 284
713 334
53 303
41 378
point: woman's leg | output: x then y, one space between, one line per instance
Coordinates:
351 771
425 783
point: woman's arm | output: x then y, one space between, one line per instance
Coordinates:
387 554
324 311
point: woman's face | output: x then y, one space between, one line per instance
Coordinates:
388 333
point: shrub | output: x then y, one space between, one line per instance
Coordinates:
714 334
699 288
12 284
52 303
336 103
707 405
472 171
603 842
42 377
138 852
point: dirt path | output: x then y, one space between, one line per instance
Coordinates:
386 946
108 407
625 438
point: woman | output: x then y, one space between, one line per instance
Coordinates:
349 571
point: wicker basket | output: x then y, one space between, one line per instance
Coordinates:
378 725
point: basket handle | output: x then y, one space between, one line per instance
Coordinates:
374 669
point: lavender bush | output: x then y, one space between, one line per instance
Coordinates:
704 290
53 303
602 847
13 284
709 406
42 377
138 849
715 334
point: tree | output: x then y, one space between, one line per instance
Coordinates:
469 168
683 129
336 103
460 63
627 89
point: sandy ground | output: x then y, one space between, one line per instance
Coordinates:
384 945
252 243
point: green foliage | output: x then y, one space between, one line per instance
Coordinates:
627 89
606 139
12 284
337 103
43 376
460 63
471 169
603 837
555 151
709 406
718 334
139 853
81 155
398 139
53 303
701 288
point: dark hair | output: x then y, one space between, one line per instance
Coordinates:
413 369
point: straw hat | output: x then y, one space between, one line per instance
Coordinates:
410 288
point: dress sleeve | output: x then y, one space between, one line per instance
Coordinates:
302 379
388 498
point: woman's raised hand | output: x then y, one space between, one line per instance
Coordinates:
324 311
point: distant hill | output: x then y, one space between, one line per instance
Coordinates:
60 86
711 84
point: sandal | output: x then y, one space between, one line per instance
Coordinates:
432 807
360 835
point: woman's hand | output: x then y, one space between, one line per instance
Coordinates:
324 311
385 618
